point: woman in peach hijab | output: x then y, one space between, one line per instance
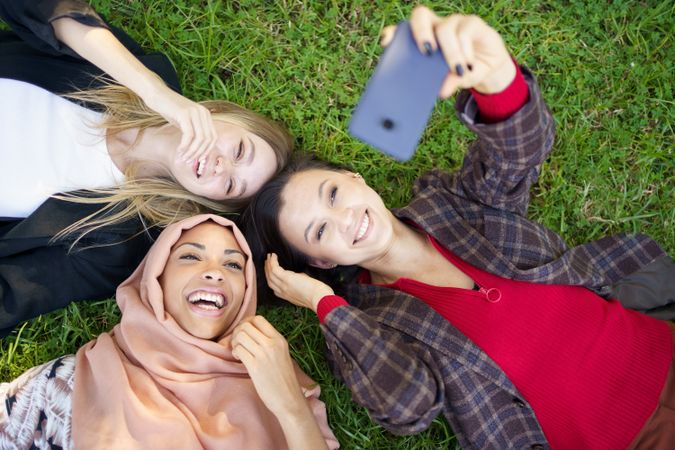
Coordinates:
189 365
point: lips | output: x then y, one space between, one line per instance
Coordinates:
207 303
199 166
364 228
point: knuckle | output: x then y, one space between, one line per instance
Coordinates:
420 9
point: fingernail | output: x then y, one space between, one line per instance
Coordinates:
459 70
470 67
428 49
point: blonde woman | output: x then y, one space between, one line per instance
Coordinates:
129 152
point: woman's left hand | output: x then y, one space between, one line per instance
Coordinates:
473 50
297 288
264 352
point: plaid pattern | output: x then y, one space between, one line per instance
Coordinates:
403 361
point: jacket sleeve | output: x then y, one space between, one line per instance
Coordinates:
393 378
31 20
502 164
47 277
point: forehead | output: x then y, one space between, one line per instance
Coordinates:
305 185
209 234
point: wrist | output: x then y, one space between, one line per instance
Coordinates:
327 304
499 79
294 411
320 294
148 86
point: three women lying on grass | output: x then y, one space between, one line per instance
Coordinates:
147 155
189 366
463 306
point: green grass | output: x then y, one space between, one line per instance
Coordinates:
606 70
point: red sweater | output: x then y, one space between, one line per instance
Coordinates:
591 370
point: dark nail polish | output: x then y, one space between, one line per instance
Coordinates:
459 69
470 67
428 49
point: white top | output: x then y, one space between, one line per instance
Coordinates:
47 145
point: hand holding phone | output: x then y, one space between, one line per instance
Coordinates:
400 96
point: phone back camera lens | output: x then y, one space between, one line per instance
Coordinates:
388 124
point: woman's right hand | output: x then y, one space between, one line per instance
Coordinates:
474 51
264 352
100 47
297 288
194 121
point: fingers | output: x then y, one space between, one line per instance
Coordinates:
243 355
256 337
264 327
249 337
274 272
387 35
422 22
447 35
198 134
451 83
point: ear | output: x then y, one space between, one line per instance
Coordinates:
321 264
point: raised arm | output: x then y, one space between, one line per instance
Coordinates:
501 104
74 28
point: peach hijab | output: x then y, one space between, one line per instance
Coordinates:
150 384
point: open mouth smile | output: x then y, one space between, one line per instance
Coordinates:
207 303
199 167
364 228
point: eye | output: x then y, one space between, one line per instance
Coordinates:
189 257
234 265
230 187
331 197
240 151
320 231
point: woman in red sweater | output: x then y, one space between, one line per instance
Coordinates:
464 306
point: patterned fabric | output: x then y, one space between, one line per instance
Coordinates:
403 361
36 407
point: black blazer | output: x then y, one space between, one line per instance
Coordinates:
37 276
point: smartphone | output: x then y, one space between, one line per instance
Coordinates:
400 96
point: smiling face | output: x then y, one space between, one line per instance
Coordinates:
334 217
236 167
203 280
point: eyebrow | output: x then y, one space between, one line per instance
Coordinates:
232 251
312 222
227 251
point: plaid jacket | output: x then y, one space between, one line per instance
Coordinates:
403 361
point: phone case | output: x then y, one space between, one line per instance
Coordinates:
400 96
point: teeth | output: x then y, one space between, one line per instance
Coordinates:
364 227
200 167
217 299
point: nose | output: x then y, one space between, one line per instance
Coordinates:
221 165
345 219
213 275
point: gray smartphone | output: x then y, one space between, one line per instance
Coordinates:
400 96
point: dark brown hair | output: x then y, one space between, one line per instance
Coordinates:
260 223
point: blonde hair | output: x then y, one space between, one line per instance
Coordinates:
159 201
